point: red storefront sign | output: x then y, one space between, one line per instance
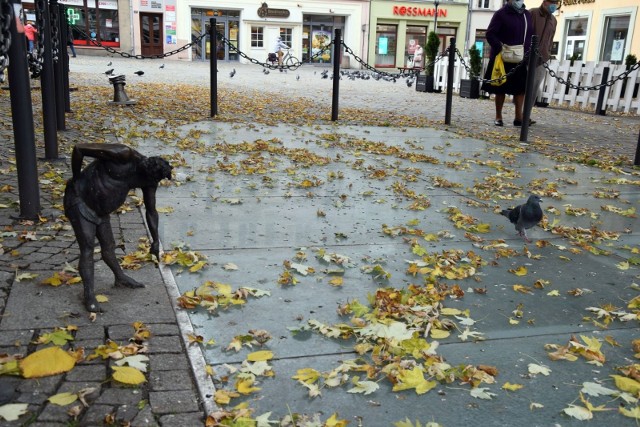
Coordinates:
418 11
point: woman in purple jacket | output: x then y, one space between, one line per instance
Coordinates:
511 25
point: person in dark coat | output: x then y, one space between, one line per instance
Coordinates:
511 25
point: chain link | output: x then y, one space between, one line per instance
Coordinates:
36 57
270 65
6 15
55 31
503 77
393 75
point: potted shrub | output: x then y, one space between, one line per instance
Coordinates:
431 52
470 88
629 61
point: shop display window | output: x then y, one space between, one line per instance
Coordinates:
386 45
616 29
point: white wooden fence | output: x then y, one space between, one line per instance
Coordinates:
582 74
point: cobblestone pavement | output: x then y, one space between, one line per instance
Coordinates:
170 397
29 309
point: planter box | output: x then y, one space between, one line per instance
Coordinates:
424 84
470 89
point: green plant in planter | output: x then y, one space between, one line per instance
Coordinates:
630 60
431 51
475 62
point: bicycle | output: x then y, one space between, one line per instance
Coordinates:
290 61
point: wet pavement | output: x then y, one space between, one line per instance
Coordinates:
266 203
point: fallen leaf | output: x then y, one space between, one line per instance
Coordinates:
46 362
511 387
258 356
579 412
128 375
482 393
63 399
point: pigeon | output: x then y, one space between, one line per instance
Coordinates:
298 77
265 71
232 73
525 216
162 66
139 73
109 64
109 72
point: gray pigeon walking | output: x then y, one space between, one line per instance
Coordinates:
525 216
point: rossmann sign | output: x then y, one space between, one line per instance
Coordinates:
418 11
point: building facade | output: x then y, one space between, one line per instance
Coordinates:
396 27
598 30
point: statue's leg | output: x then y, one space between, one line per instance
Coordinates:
108 247
85 235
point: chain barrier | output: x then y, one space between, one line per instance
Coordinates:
36 56
5 36
128 55
272 66
553 74
55 32
503 77
368 67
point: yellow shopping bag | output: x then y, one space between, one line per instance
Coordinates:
498 72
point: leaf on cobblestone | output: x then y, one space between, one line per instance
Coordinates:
102 298
138 361
578 412
61 278
46 362
25 276
63 399
13 411
58 337
128 375
511 387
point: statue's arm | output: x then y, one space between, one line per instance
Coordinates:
149 195
114 152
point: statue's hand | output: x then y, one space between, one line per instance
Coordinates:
155 250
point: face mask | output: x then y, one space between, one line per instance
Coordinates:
553 8
518 4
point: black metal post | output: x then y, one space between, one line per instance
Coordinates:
636 161
213 51
599 110
452 59
56 29
47 85
337 45
64 39
530 89
22 116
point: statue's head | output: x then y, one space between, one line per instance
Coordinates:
157 168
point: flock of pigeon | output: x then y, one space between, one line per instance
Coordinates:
109 72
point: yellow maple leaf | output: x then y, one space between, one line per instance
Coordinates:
414 378
631 413
336 281
102 298
627 384
511 387
128 375
46 362
522 289
307 375
244 386
223 397
520 271
333 421
259 356
439 334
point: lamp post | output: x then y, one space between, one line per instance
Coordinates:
435 19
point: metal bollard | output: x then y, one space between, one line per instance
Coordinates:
603 89
119 95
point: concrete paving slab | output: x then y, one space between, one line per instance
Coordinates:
148 303
451 404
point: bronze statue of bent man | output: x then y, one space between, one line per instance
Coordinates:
99 189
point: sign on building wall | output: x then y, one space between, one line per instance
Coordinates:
151 5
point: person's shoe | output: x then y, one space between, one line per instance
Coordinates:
498 122
519 122
541 104
74 56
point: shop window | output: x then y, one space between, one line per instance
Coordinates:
616 29
415 36
257 36
576 38
386 42
287 35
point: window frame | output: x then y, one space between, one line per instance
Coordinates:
257 36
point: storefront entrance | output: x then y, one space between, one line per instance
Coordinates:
317 32
151 33
226 24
